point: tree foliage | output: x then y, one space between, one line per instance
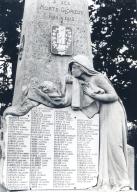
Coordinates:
10 21
114 38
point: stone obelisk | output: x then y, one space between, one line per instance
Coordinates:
53 31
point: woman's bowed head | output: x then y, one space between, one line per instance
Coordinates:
81 68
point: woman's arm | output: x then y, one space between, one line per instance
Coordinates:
106 97
110 94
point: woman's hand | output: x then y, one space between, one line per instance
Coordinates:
69 78
88 91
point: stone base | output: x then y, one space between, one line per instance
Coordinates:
42 112
2 189
44 142
131 165
87 190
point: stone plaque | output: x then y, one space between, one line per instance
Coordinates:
51 149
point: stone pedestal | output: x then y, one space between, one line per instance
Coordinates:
51 149
2 189
52 144
131 165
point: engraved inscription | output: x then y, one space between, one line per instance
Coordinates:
62 9
65 3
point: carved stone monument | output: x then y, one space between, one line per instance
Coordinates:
49 148
50 142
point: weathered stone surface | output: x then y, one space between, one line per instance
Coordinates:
22 137
131 165
2 189
86 190
51 149
36 59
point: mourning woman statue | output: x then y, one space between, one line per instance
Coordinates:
113 171
91 92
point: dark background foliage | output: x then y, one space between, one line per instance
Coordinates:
114 28
11 12
114 44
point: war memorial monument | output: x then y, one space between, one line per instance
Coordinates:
52 137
